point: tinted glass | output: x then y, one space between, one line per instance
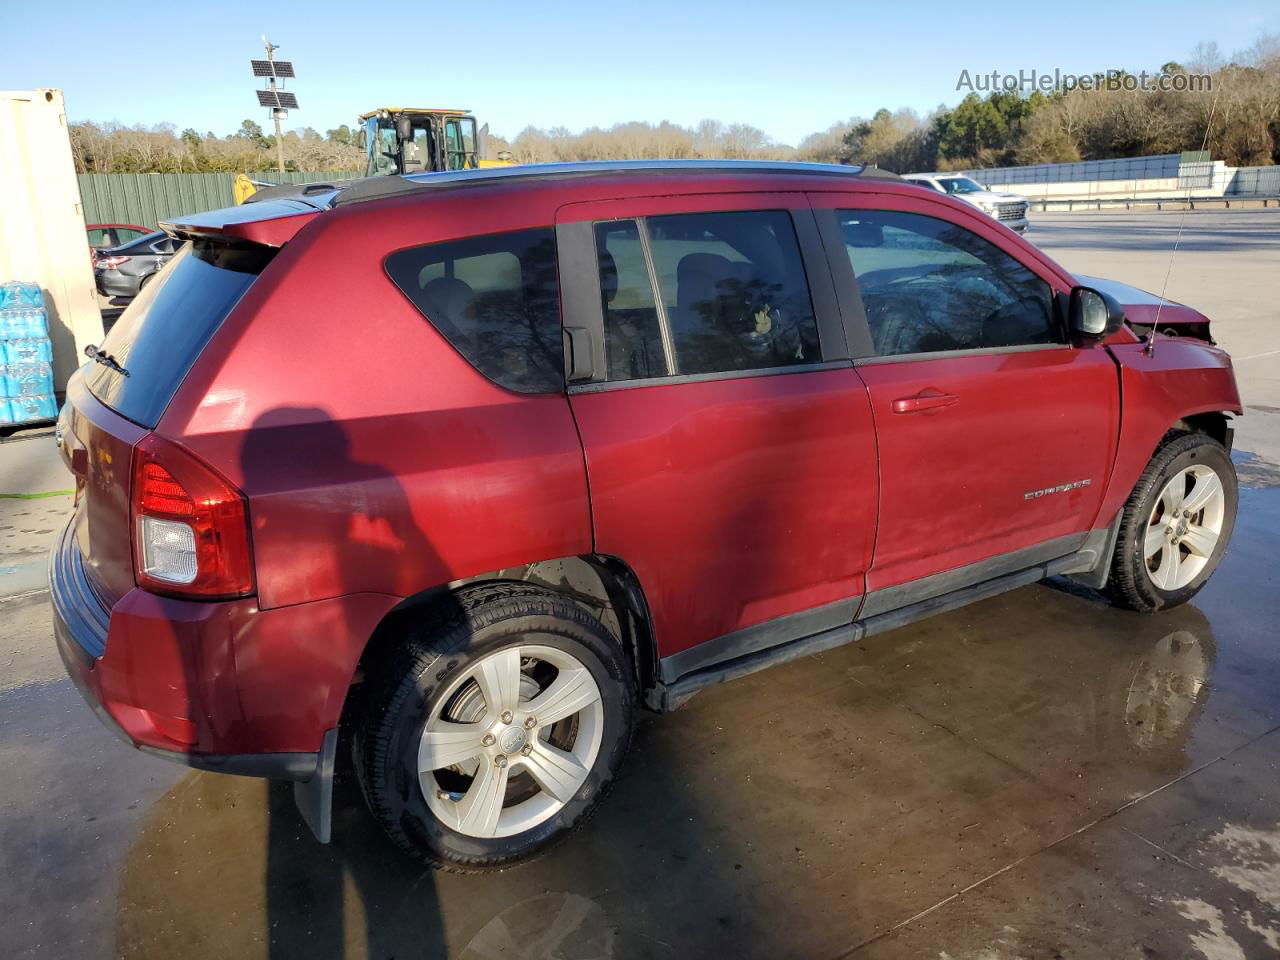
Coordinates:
143 244
734 289
125 234
930 285
632 333
99 237
496 300
163 330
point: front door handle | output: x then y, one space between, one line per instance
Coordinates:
924 401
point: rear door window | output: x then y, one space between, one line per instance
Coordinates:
636 345
732 291
163 330
496 300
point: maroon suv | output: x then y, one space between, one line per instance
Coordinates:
458 468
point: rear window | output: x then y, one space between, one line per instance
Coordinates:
496 299
163 330
140 244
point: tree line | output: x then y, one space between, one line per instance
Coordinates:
1236 117
112 148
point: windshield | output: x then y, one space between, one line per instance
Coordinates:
961 185
159 336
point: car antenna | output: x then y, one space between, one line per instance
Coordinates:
1150 348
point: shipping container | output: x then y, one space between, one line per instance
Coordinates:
42 229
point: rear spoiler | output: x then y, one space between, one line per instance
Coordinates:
271 223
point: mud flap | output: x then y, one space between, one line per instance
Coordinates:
1095 575
314 796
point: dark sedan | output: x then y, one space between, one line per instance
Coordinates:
104 235
124 270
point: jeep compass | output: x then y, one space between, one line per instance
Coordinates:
449 474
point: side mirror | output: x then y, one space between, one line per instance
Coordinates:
404 129
1093 314
362 140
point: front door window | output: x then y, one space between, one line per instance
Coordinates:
929 285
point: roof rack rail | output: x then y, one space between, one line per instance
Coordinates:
376 188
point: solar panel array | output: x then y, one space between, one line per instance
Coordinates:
277 98
272 68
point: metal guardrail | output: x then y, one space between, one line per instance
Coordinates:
1097 203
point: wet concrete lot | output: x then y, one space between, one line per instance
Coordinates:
1039 775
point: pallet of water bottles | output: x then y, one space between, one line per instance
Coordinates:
26 356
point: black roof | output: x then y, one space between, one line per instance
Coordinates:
374 188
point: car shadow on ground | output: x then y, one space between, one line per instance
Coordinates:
225 867
860 786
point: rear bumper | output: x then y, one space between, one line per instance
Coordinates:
115 284
113 687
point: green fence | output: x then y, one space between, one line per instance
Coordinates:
147 198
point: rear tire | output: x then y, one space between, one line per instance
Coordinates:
1175 526
495 728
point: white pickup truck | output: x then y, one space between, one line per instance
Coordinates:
1009 208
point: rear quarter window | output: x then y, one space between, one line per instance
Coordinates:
496 300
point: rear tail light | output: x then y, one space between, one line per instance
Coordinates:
109 263
190 526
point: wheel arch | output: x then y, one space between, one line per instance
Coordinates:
1185 386
606 586
1212 423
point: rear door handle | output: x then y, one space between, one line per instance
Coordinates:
924 401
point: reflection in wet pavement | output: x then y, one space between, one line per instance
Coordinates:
1036 775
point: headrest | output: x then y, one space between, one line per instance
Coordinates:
446 297
699 274
608 276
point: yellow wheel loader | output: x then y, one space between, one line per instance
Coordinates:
421 140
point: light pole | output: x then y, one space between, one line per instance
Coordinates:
275 111
278 100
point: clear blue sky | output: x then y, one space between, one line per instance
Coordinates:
788 67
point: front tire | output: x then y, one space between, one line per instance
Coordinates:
1175 525
496 727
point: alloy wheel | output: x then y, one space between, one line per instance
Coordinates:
1184 527
510 741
